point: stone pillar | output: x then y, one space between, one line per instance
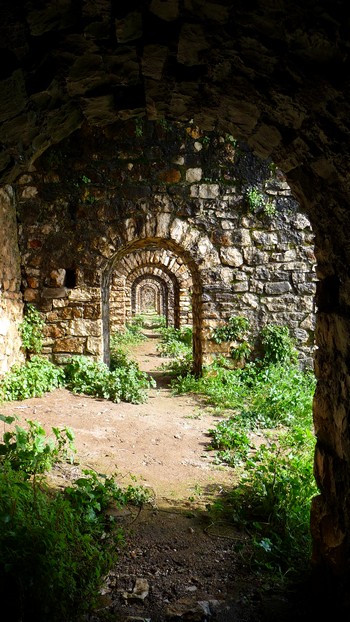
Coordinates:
330 513
11 305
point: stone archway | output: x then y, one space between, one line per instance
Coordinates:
149 295
186 265
257 74
163 264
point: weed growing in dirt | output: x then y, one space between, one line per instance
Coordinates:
130 337
277 345
32 379
176 344
93 494
55 547
268 435
52 560
125 382
31 451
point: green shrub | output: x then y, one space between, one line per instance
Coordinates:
175 342
36 377
52 561
31 330
31 451
234 329
231 438
53 557
131 336
273 499
93 494
255 199
127 382
277 345
269 399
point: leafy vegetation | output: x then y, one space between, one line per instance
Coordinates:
273 500
122 381
277 345
131 336
255 199
176 344
55 547
268 436
32 379
31 331
258 202
31 451
235 331
125 382
93 494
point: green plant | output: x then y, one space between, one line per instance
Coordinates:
85 179
126 382
95 493
277 345
273 499
36 377
31 330
270 208
230 139
240 352
138 127
268 435
52 560
131 336
165 124
230 437
175 341
234 329
31 450
255 199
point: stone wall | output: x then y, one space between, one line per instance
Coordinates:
11 306
276 76
224 223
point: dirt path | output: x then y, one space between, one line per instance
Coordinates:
163 443
192 570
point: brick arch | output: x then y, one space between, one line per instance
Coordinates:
121 295
188 263
160 291
162 262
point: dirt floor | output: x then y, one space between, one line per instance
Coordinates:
176 565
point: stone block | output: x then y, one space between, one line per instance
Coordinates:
240 286
30 295
73 345
278 288
250 300
205 191
94 346
84 328
54 292
193 175
57 277
171 176
261 237
79 295
231 257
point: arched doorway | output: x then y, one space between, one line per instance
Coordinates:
188 267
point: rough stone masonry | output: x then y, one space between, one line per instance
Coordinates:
148 200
